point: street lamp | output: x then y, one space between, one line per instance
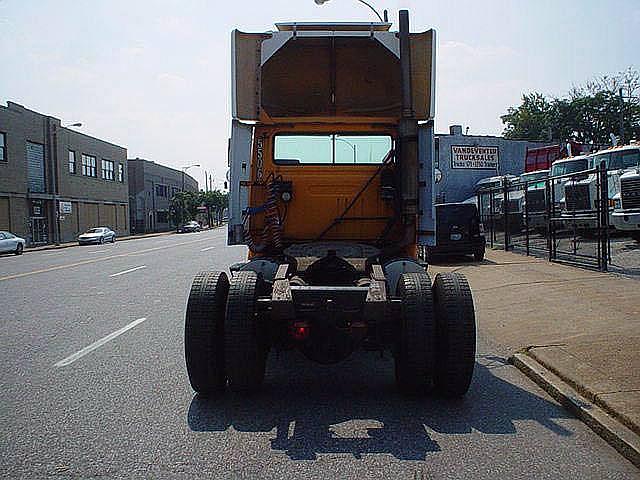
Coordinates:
184 169
78 124
338 139
320 2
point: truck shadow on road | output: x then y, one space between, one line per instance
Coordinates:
354 408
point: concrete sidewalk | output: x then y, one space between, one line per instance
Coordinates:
75 244
582 326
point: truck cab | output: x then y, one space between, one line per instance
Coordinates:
534 204
581 193
626 201
331 192
490 192
562 172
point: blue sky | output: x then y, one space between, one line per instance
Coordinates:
153 76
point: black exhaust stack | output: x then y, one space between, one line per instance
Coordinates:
408 141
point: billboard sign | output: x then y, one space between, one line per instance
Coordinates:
474 157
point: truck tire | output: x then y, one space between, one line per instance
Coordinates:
204 332
415 347
245 342
456 334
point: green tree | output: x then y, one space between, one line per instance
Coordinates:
530 120
183 207
589 114
215 201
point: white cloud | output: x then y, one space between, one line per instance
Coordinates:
172 81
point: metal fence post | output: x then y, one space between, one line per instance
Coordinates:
505 208
526 216
604 217
491 214
550 200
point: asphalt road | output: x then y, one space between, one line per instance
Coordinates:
123 407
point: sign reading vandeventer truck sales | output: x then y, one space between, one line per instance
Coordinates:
466 156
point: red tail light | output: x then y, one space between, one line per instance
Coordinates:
300 331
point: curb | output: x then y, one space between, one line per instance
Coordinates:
584 389
75 244
625 441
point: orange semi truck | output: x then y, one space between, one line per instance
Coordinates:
331 190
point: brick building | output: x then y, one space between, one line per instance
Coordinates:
56 182
151 187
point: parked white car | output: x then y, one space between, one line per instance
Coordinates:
9 243
97 235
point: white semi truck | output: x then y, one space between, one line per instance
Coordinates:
534 204
581 194
626 213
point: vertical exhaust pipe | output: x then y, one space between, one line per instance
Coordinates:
408 129
405 64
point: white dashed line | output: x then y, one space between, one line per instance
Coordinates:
81 353
128 271
208 248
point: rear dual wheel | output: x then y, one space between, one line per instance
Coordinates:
224 338
455 333
435 350
415 348
245 341
204 332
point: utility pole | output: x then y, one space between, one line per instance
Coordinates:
53 149
621 117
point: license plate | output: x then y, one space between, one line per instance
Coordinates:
456 236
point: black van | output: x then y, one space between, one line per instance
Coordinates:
458 232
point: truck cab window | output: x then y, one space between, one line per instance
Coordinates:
294 149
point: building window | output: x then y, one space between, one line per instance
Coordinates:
174 190
120 172
162 216
3 143
162 191
72 161
89 165
107 169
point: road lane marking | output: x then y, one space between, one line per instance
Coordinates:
208 248
101 259
128 271
90 348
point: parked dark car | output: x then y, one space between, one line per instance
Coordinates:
191 226
458 232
